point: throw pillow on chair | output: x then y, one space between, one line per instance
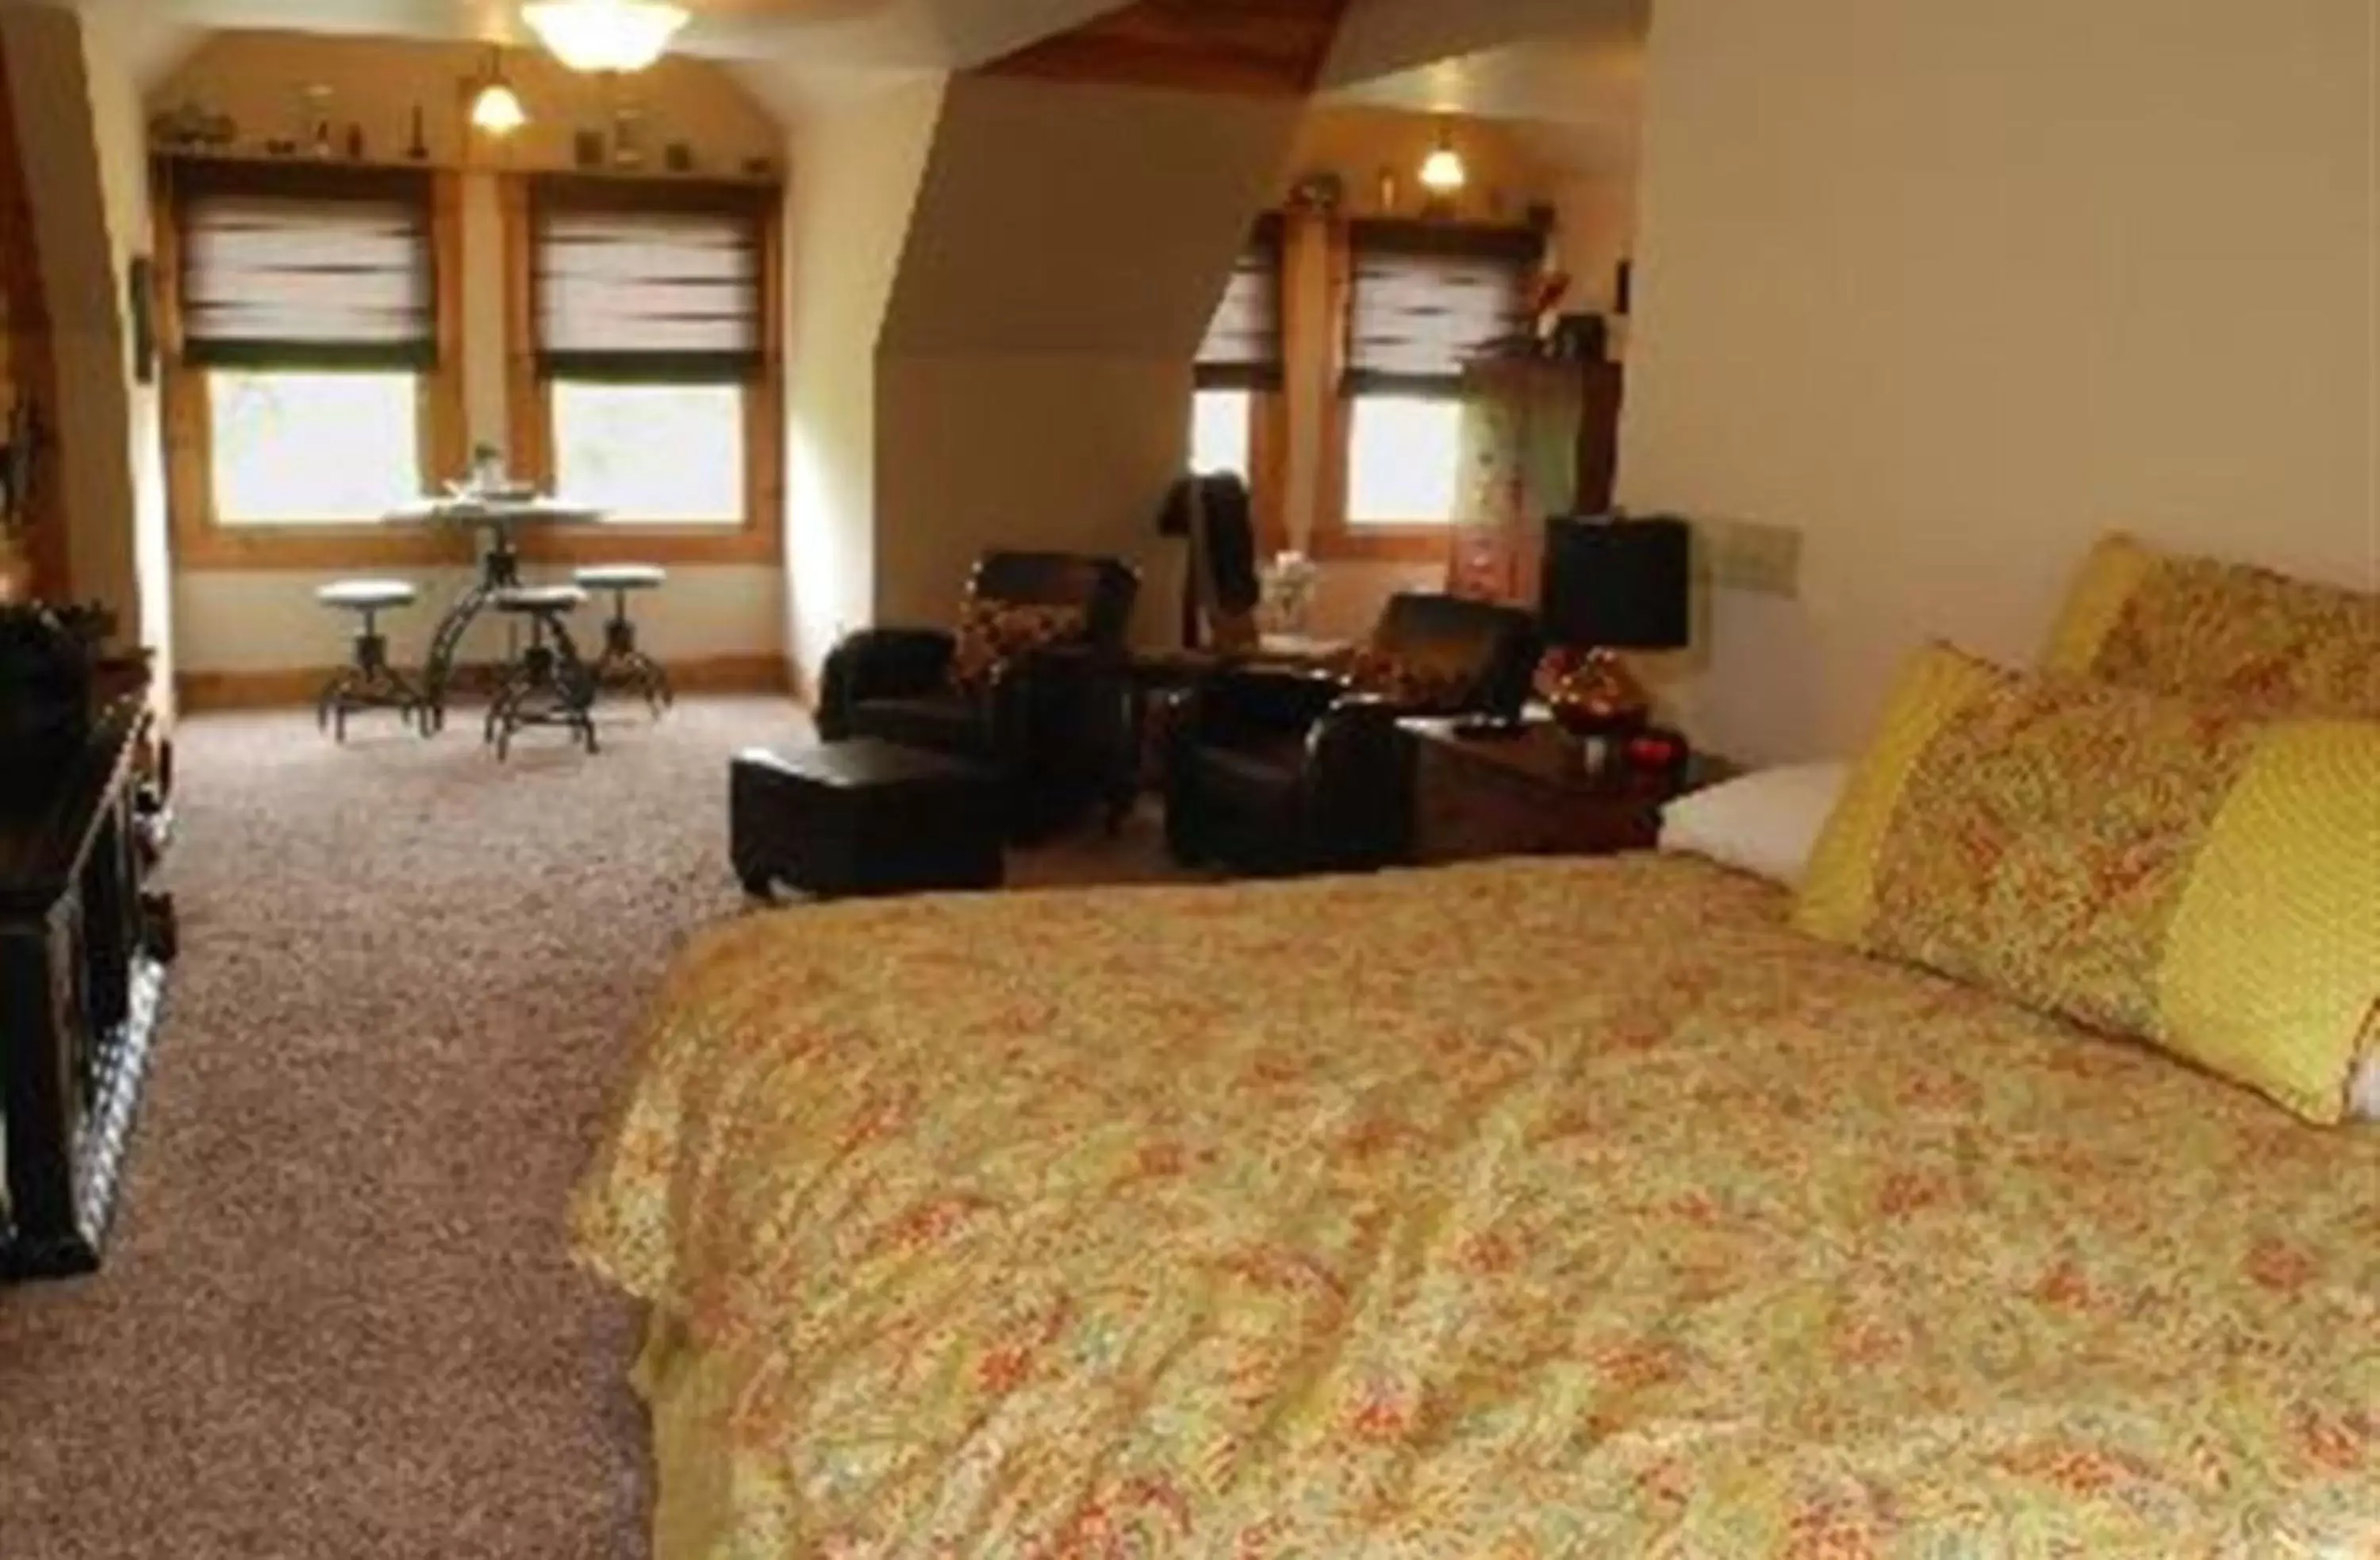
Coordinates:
991 633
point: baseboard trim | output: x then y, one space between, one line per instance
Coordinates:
296 686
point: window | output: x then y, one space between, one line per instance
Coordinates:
1404 460
326 447
650 331
1219 431
1424 300
609 444
307 302
1240 358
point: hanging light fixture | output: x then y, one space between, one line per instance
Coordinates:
600 35
496 108
1443 172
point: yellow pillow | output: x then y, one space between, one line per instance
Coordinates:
2195 626
2183 872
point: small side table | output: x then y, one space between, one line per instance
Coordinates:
1529 796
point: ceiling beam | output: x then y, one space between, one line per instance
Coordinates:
1261 48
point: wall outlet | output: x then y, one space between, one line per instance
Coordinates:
1748 555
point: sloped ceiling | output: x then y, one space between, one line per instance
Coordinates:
1261 48
1081 218
1386 37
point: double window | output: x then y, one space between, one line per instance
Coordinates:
650 327
308 323
1411 306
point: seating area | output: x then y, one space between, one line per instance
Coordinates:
544 679
1030 685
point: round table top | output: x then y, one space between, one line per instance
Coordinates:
542 509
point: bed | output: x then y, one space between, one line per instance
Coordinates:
1523 1209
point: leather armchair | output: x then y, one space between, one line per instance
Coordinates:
1052 723
1279 770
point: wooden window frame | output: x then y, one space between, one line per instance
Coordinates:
1336 535
201 538
759 536
1268 466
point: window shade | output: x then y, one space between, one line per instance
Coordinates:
658 285
1424 300
1243 349
312 268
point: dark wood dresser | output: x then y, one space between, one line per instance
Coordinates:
83 952
1529 796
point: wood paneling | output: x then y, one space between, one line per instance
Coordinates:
1265 48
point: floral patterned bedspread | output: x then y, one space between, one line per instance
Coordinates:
1518 1210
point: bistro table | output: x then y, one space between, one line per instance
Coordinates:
499 519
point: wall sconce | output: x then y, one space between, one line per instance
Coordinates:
496 108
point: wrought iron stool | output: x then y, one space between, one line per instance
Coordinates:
622 664
368 682
549 684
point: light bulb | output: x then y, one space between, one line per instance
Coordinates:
497 109
1442 171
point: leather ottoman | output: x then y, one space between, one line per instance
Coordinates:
862 817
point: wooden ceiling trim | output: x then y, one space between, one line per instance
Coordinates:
1262 48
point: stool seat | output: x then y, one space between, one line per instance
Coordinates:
368 595
622 577
529 600
368 682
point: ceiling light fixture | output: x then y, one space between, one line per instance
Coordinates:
1443 172
598 35
496 108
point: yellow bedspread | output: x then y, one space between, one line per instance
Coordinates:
1528 1208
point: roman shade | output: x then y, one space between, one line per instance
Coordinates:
648 282
306 268
1243 349
1424 298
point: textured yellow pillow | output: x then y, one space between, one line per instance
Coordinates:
2196 627
2184 871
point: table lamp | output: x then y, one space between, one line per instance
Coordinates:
1612 584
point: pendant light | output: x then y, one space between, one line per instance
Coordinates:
496 108
1443 172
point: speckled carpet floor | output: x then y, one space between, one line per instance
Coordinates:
337 1319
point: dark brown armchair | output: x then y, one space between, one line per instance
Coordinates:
1050 720
1279 770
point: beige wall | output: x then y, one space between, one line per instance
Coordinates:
79 126
266 620
1067 249
1356 143
856 176
263 620
258 78
1950 290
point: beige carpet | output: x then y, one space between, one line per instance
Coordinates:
337 1318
